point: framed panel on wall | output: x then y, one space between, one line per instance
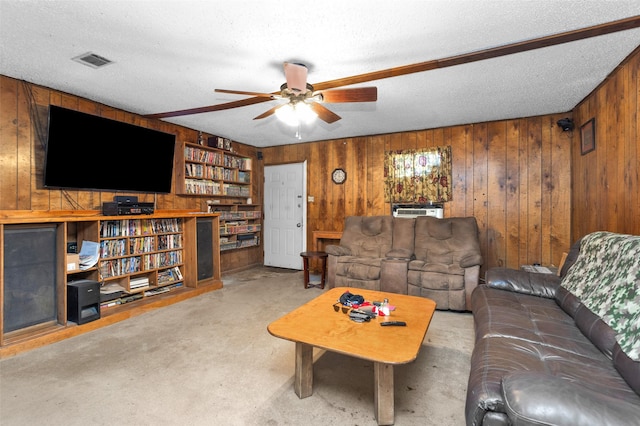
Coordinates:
588 136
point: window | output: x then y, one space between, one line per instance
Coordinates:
418 176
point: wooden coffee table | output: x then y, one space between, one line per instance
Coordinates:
317 324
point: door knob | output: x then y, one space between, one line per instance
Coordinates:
299 225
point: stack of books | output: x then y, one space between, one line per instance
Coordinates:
137 283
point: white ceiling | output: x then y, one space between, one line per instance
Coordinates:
171 55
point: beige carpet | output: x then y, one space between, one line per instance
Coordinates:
211 361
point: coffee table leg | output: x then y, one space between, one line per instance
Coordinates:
383 398
303 382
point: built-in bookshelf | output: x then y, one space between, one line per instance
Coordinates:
240 224
141 263
143 257
213 172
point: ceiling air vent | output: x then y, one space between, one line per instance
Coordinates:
92 60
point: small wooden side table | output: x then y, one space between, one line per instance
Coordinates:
306 255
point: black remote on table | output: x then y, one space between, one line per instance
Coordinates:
396 323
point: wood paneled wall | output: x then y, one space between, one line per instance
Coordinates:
23 122
513 176
606 181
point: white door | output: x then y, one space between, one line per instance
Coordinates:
285 212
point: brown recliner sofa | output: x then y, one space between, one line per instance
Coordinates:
435 258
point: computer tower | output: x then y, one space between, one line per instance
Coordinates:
83 301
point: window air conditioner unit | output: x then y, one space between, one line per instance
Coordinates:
410 213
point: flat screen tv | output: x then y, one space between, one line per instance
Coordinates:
88 152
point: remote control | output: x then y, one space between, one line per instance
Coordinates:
396 323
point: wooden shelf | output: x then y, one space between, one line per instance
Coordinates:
213 172
240 225
172 235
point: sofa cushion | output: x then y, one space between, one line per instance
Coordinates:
506 314
449 240
494 358
543 285
543 399
368 236
361 268
606 279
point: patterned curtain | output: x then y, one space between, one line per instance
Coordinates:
418 176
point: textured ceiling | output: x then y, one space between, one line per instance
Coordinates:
171 55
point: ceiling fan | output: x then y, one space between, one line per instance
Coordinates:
304 100
300 93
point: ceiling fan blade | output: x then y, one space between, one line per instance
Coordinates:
268 112
240 92
361 94
324 113
495 52
210 108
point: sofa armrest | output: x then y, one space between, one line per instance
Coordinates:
535 399
543 285
471 260
393 275
337 250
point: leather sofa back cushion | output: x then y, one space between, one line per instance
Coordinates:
449 240
567 301
574 251
367 236
628 368
596 330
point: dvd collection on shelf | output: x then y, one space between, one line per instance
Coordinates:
113 294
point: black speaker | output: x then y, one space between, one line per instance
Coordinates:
205 247
30 260
259 155
83 301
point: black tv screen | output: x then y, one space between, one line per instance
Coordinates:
85 151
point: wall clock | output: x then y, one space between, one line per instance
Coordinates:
338 176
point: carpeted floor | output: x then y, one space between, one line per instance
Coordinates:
210 361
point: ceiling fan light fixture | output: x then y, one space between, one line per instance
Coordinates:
293 114
305 113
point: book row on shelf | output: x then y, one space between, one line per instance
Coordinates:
169 275
137 245
137 296
205 187
112 293
235 190
249 214
216 158
200 171
138 282
134 227
129 265
202 155
238 228
237 162
247 241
